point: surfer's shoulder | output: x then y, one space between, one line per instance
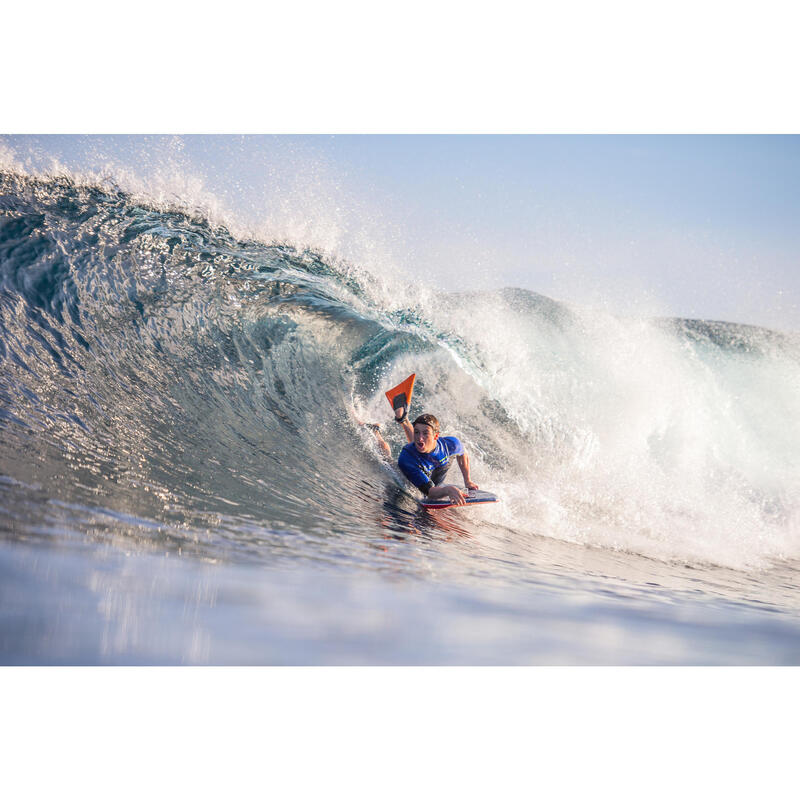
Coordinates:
452 444
408 453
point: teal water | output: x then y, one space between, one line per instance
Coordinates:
182 479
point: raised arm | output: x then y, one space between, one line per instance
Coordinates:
408 428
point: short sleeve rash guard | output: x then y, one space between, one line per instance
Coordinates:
426 470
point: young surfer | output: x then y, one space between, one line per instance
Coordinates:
427 457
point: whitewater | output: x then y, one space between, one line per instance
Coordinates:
184 479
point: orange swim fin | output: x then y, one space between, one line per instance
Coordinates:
400 395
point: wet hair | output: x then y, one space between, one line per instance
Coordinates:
429 420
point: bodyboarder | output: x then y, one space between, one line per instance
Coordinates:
427 457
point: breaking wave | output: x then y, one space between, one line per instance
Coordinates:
157 367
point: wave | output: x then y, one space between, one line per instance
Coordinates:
158 366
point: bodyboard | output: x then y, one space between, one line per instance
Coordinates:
400 395
475 497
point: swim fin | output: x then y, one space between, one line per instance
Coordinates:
400 395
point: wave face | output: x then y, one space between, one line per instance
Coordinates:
164 380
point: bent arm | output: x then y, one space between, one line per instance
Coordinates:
383 444
463 465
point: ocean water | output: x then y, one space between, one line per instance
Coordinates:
183 479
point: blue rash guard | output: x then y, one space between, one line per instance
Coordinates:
426 470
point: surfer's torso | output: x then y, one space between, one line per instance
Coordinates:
426 470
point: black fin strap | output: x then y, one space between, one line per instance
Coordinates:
404 417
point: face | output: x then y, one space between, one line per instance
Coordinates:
424 438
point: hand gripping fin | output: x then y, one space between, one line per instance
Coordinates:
400 395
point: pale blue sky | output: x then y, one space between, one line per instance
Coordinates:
703 226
